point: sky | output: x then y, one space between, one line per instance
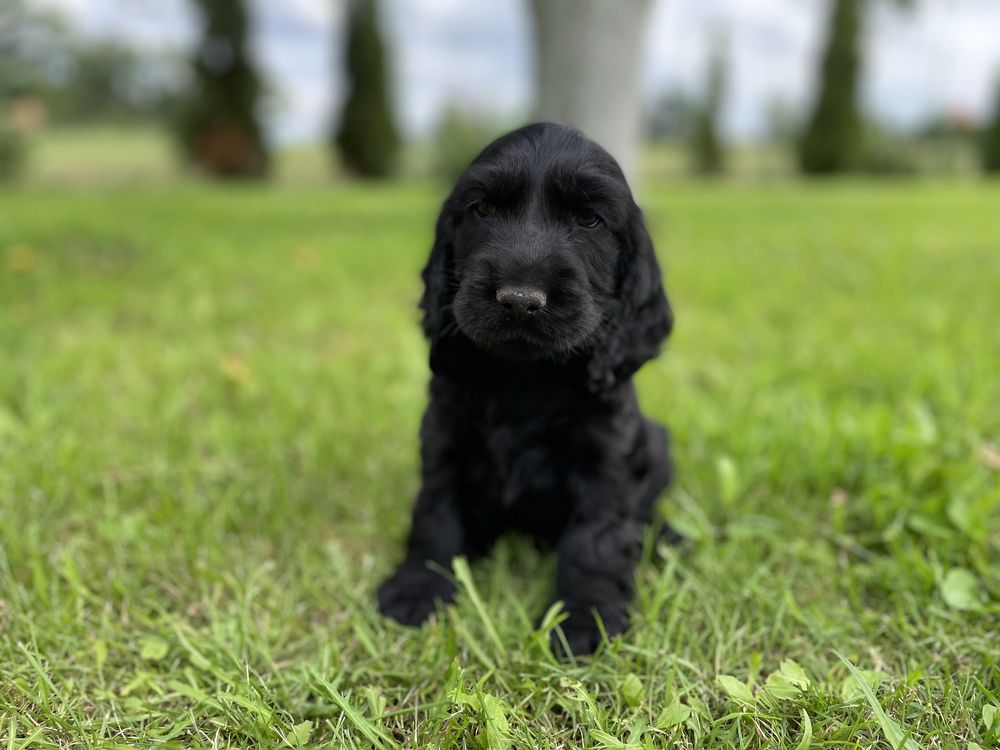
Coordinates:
941 57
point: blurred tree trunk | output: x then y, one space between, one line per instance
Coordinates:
832 141
706 145
220 131
587 59
366 136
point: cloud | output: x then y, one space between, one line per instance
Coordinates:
943 58
472 51
770 47
295 43
148 23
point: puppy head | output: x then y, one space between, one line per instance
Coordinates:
541 253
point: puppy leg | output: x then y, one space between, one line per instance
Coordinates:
657 473
411 594
594 574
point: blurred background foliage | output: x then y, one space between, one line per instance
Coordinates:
367 138
220 127
66 96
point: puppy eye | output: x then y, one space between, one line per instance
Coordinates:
484 209
588 218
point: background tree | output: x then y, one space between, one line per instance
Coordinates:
80 79
459 136
587 58
367 137
706 146
115 82
220 130
31 45
671 116
991 140
833 139
50 72
23 31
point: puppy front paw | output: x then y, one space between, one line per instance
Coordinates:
581 631
410 595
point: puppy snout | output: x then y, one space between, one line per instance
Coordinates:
520 300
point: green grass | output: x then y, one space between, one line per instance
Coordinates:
208 413
85 156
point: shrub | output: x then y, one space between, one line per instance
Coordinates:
367 137
13 153
459 138
887 153
991 141
220 130
833 139
706 145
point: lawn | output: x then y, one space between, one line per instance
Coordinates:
208 410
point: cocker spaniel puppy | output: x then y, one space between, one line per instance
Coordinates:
542 299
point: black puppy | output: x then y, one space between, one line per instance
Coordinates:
542 298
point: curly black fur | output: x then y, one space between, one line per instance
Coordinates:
533 423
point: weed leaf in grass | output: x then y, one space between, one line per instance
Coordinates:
493 712
673 714
788 682
632 690
253 706
850 691
300 734
891 729
610 742
736 690
497 726
807 732
960 590
991 715
579 694
153 649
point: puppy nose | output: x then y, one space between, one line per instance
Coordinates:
521 300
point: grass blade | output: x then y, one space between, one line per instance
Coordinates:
464 575
807 732
891 729
372 733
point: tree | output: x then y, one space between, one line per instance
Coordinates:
587 58
671 116
706 147
77 78
367 137
833 139
458 137
220 130
991 140
32 44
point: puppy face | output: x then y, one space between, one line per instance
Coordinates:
541 253
538 222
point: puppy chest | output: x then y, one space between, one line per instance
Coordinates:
525 464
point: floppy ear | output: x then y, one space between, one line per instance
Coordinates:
644 318
437 276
